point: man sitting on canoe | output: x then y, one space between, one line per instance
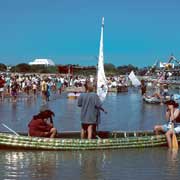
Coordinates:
173 117
40 127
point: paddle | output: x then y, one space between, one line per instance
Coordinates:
10 129
102 109
174 140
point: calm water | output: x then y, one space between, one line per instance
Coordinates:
126 111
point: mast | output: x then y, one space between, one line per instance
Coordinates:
101 78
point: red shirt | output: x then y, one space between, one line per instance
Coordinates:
2 82
39 128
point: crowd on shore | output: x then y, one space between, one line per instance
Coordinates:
13 84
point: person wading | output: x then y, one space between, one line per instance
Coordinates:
90 112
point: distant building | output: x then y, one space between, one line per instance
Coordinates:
71 68
46 62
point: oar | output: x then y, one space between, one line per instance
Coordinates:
10 129
174 140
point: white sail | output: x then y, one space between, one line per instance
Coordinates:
101 78
135 81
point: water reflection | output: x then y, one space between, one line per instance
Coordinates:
135 164
173 164
92 165
29 164
172 155
53 165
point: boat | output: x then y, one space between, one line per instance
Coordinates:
118 89
134 80
72 141
74 89
176 96
151 100
112 89
122 88
74 95
155 100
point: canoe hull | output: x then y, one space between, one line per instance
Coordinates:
71 141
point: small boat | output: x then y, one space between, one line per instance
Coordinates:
176 96
155 100
152 100
71 141
73 95
123 88
112 89
118 89
74 89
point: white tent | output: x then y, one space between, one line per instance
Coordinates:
46 62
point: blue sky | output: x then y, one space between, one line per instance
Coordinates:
68 31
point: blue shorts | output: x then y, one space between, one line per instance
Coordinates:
167 127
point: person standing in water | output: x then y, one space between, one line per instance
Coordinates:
2 83
90 112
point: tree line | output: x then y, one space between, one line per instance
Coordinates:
110 69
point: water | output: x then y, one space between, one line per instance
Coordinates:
126 111
156 163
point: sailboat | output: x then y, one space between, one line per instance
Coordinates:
135 81
102 87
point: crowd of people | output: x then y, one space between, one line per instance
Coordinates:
12 85
15 84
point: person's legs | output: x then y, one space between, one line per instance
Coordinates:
83 131
43 96
94 130
53 132
14 96
158 128
90 131
60 90
169 138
